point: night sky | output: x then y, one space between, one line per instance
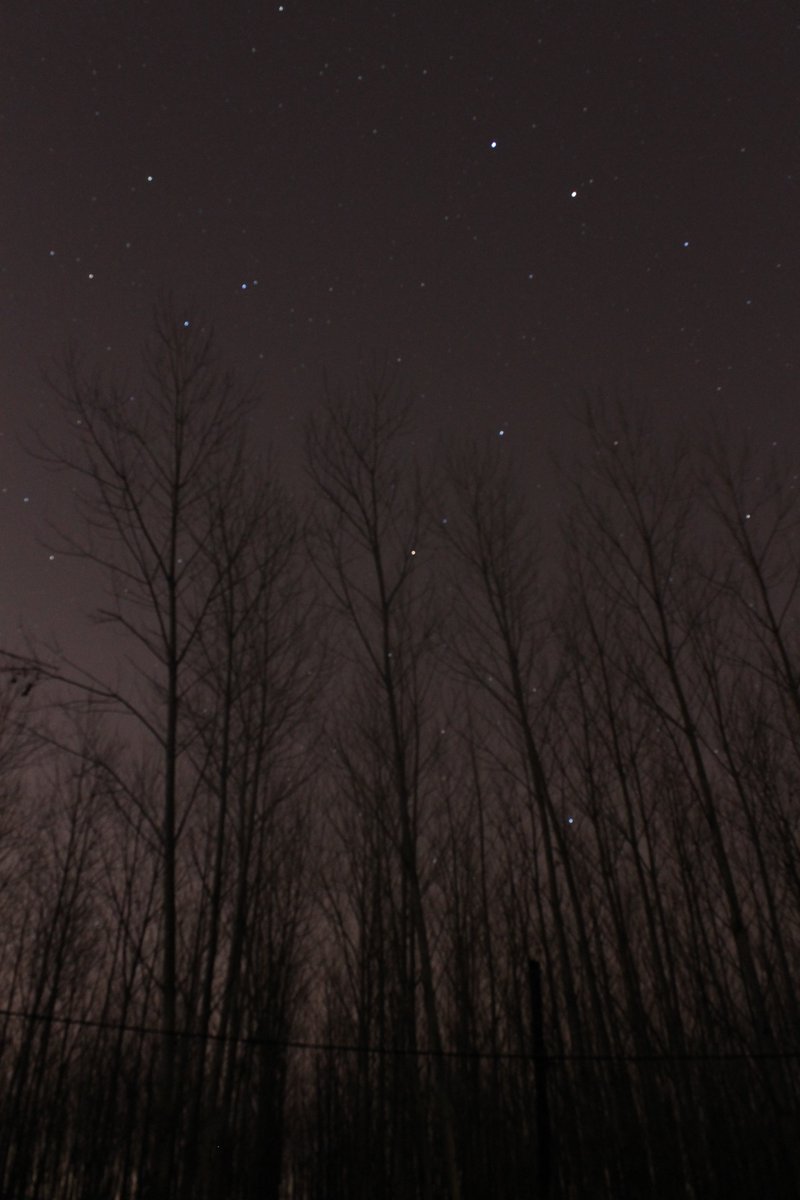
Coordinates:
518 203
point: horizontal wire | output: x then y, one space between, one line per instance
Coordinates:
421 1052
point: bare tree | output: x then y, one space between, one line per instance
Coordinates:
257 670
147 464
368 544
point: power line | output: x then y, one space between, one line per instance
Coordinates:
420 1052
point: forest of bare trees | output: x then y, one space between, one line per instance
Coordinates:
406 849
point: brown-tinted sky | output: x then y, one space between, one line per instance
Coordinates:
516 201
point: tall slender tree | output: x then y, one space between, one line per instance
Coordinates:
368 542
147 463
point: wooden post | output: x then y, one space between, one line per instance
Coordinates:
544 1157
